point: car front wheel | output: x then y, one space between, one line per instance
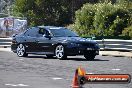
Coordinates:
59 52
89 57
21 51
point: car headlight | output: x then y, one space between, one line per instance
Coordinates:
96 44
72 45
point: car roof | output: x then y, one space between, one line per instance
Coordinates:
50 27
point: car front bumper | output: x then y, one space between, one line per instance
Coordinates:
82 51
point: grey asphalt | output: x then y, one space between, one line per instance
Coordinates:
37 71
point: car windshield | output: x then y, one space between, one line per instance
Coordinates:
63 32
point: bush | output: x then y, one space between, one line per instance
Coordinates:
127 32
100 19
84 19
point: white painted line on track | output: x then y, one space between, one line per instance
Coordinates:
56 78
22 85
90 73
10 85
116 69
19 85
20 59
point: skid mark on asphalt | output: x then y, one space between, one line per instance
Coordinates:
18 85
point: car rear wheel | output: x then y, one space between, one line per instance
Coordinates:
59 52
21 51
89 57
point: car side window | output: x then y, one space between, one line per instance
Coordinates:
43 31
32 32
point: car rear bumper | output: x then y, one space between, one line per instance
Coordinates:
13 47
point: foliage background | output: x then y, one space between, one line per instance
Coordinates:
86 17
101 19
104 19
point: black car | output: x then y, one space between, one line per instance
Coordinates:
53 41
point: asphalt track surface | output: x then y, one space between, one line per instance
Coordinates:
37 71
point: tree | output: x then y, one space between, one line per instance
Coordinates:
49 12
84 19
44 12
101 18
127 31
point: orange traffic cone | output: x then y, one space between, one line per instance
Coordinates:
75 83
81 71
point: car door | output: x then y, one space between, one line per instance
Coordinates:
45 41
31 40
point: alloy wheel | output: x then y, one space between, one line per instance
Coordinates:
21 52
59 52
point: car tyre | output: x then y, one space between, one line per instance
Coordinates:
60 52
21 51
89 57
